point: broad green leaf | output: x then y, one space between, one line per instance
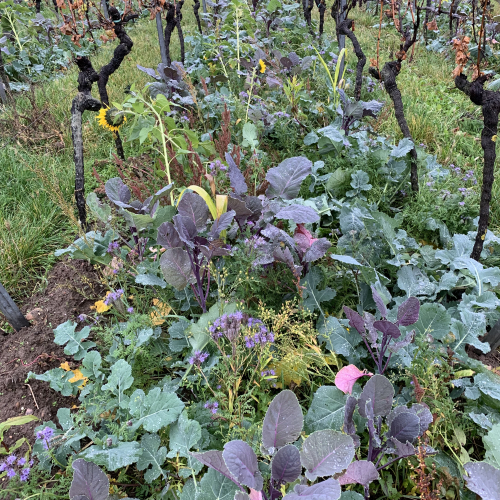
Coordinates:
339 339
311 295
150 280
58 380
414 282
65 334
91 364
215 486
113 457
178 337
119 381
326 410
152 454
154 411
100 210
433 320
492 445
184 436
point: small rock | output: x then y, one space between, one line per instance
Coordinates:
29 411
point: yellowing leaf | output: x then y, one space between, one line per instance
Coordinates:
494 138
162 310
65 366
78 376
464 373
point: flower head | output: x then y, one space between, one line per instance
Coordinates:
46 434
10 460
198 358
11 472
23 475
262 66
212 406
111 119
21 461
130 310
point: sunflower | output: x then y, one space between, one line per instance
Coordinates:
262 66
111 118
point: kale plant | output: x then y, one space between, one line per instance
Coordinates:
379 335
323 454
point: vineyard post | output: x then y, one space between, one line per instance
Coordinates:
341 37
12 313
161 38
104 7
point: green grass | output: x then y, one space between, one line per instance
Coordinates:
33 222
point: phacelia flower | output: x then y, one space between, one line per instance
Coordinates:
198 358
212 406
46 434
130 310
23 475
10 460
21 461
114 245
11 472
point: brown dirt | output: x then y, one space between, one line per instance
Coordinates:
73 286
491 359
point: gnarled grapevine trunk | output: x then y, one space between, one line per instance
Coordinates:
346 28
81 103
169 28
119 54
490 105
388 76
85 102
322 9
196 9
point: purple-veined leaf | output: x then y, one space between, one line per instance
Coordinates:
221 224
424 414
325 453
318 250
350 406
214 460
193 207
303 238
380 392
483 479
254 204
89 482
360 472
118 192
274 82
242 213
294 58
379 302
387 328
149 71
285 179
285 466
186 229
176 267
355 320
347 376
375 440
405 427
372 333
236 178
326 490
168 236
285 61
285 256
241 461
396 346
408 311
300 214
283 421
402 449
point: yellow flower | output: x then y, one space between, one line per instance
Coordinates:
111 119
78 375
262 66
100 306
157 317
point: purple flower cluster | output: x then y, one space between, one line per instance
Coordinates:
46 434
113 296
114 245
82 317
281 114
267 373
243 95
211 406
130 310
255 242
469 176
261 337
13 465
370 86
198 358
216 166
